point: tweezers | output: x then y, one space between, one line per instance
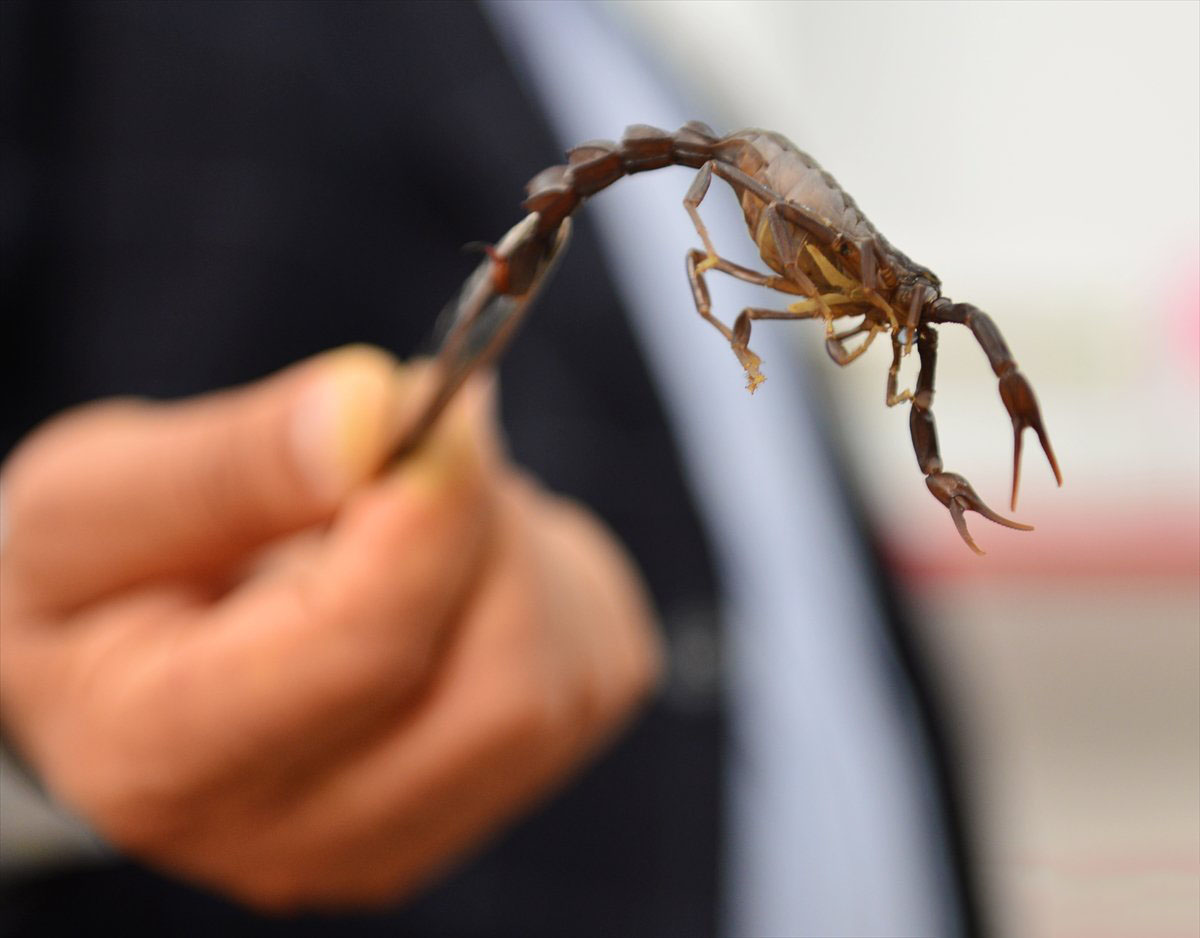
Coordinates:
478 323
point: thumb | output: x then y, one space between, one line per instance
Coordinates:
124 491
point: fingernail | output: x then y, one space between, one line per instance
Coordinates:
345 419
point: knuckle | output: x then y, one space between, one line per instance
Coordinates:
530 709
535 698
523 714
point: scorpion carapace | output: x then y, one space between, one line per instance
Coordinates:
821 249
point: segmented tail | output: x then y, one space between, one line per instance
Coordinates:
557 191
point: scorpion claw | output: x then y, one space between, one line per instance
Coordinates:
1023 409
956 493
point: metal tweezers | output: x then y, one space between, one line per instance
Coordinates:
478 323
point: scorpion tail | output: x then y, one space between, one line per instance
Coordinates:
557 191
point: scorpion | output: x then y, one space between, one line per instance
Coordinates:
820 249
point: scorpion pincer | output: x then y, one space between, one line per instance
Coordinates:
821 249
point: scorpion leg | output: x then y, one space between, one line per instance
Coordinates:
738 180
892 397
700 293
776 211
777 214
691 203
770 281
834 342
949 488
741 333
837 351
818 228
1015 391
915 305
869 271
808 308
698 265
739 336
788 252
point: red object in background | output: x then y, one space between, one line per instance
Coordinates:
1151 541
1183 314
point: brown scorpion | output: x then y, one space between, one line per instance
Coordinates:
821 248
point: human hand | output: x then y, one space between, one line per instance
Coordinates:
246 656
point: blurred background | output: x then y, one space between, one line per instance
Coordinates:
1044 160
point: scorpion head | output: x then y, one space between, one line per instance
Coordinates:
917 291
916 286
895 273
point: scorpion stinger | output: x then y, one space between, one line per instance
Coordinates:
820 249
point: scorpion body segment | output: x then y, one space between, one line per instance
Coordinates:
820 248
